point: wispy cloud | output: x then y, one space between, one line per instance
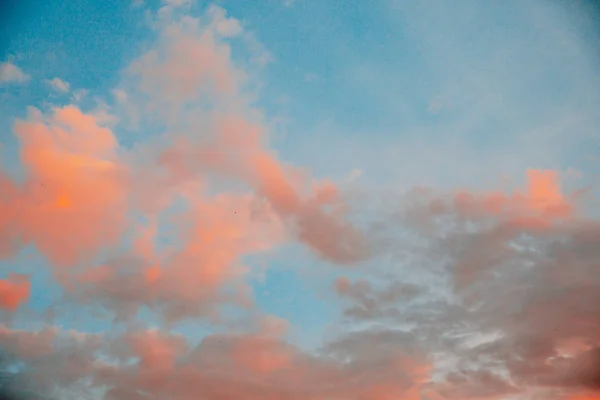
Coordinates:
59 85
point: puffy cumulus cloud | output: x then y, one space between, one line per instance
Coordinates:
82 190
202 272
280 200
74 198
190 64
98 212
184 64
315 209
11 73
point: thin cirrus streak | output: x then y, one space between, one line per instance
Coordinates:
186 229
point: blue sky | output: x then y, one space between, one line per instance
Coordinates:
336 111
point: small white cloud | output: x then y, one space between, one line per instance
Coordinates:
229 27
137 3
103 114
10 73
120 95
260 55
79 94
165 13
223 25
59 85
354 175
288 3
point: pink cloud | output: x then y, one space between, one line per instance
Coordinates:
241 366
14 291
521 266
74 200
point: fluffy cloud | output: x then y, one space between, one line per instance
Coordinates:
59 85
82 189
83 194
11 73
73 175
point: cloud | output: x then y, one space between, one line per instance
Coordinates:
82 190
354 175
247 366
325 232
153 210
518 268
14 291
190 62
11 73
79 94
58 84
194 278
74 175
224 26
170 73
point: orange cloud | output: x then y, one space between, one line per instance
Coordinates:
261 355
541 198
314 211
156 350
544 194
75 196
325 232
80 189
192 60
152 274
14 291
202 270
584 397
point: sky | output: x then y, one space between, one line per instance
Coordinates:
300 199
